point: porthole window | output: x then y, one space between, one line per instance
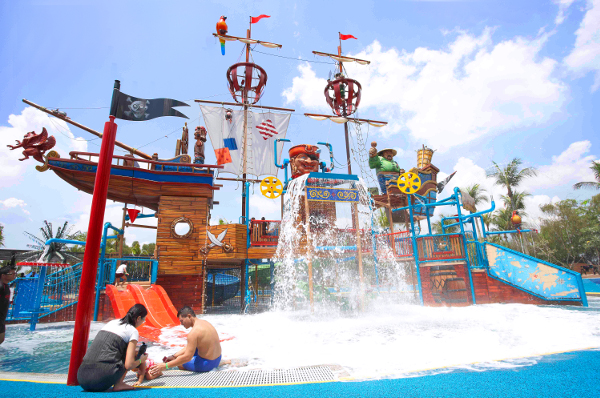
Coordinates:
182 227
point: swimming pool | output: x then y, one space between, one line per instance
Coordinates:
388 341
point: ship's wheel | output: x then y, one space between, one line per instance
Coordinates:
409 183
271 187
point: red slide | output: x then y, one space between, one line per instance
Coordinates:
161 313
121 302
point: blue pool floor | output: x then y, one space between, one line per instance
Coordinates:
572 374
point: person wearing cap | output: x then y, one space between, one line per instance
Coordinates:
386 167
8 274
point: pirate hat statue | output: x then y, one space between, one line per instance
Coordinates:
394 152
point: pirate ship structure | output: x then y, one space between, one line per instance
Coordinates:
205 265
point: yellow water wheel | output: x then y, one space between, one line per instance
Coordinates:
409 183
271 187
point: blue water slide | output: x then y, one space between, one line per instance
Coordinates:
534 276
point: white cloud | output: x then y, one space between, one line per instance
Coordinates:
14 202
563 5
571 166
450 96
533 203
585 56
566 169
11 169
261 206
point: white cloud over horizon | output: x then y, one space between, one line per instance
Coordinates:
585 56
451 96
570 166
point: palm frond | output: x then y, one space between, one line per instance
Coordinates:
587 184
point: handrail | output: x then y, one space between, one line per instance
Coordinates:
158 162
67 241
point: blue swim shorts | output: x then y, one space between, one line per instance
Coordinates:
199 364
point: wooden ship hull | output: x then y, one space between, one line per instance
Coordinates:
134 184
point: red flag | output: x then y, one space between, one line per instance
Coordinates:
346 37
133 213
223 156
256 19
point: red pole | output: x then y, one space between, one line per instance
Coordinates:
85 304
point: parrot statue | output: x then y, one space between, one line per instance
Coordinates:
222 30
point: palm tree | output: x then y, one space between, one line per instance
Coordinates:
501 219
488 219
1 235
55 252
381 218
511 176
476 191
437 226
517 202
596 169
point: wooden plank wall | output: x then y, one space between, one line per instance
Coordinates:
236 236
181 256
428 300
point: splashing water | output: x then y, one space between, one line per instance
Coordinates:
328 240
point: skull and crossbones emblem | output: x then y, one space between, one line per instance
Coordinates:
217 241
138 108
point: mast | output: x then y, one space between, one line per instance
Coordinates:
344 114
245 103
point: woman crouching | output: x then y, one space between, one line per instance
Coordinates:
112 353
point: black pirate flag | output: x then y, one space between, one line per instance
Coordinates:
127 107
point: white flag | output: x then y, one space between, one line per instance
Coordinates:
266 128
227 138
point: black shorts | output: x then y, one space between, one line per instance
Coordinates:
98 377
2 328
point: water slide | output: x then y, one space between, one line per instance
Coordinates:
161 313
121 302
537 277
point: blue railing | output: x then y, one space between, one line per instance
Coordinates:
59 291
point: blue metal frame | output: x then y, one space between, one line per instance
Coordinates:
415 249
101 263
323 165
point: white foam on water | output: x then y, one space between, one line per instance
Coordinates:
397 340
384 341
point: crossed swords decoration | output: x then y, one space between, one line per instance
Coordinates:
216 242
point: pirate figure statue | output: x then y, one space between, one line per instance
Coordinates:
304 159
385 165
200 137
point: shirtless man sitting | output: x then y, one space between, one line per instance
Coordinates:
203 350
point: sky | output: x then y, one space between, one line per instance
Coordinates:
479 81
